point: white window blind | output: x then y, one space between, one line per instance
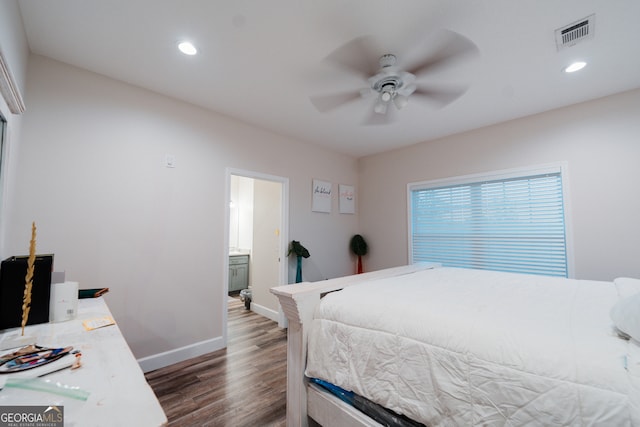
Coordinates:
513 224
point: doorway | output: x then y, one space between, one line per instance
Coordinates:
256 239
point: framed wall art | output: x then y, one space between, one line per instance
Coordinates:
347 199
321 196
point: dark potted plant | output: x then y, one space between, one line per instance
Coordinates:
359 248
300 252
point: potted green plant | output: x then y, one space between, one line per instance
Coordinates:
300 252
360 248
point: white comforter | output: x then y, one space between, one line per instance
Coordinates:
456 347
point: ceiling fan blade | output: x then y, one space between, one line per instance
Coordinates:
359 56
324 103
439 96
453 47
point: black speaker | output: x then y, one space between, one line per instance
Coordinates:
12 281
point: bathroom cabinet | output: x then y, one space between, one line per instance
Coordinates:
238 272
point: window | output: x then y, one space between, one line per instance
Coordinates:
507 221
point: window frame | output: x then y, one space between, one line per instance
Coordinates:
550 168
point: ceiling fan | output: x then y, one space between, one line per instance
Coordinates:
388 83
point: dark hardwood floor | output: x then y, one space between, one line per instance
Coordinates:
242 385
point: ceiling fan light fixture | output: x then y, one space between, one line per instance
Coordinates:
400 101
380 107
386 96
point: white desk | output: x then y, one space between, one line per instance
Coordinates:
119 393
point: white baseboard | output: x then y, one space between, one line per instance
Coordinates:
170 357
167 358
264 311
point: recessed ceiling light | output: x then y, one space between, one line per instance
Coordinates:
187 48
575 67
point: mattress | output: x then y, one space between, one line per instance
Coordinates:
453 347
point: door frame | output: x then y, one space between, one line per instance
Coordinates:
284 235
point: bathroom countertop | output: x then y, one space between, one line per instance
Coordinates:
236 252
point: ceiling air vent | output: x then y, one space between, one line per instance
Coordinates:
575 32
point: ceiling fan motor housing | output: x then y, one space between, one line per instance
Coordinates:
387 60
386 82
391 84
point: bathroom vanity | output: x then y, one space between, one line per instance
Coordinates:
238 271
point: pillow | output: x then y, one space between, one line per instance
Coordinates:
626 316
627 286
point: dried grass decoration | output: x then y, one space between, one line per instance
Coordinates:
26 300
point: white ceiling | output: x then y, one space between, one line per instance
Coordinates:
260 61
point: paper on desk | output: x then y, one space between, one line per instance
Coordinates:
98 322
58 365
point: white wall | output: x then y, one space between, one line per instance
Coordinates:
14 47
13 42
598 139
91 175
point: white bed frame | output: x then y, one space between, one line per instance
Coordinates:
307 400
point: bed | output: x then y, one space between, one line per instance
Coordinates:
450 347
